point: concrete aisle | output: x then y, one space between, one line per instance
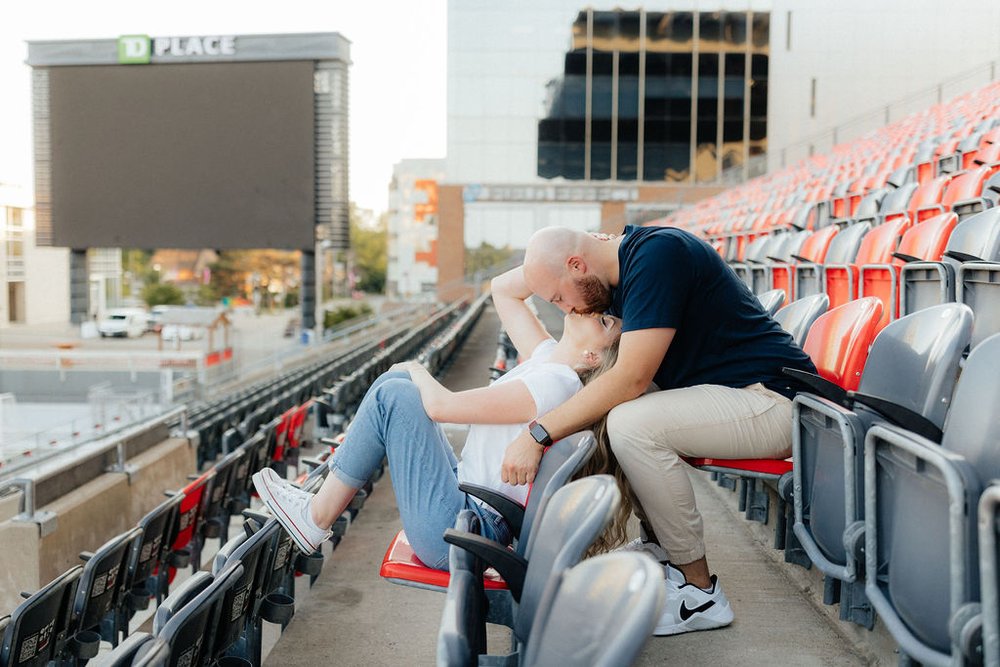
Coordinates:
352 617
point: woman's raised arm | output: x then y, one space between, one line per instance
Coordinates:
510 295
503 403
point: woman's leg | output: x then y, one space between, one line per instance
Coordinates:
391 423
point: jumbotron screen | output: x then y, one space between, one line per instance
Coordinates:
215 155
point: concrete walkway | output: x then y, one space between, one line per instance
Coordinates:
352 617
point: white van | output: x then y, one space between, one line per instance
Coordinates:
123 322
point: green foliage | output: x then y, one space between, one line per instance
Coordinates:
206 295
486 258
332 318
162 294
371 253
292 298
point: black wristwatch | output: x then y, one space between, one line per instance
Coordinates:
539 433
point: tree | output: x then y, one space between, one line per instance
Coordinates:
486 258
162 294
370 243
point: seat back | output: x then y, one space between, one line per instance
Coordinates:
40 626
561 461
216 506
128 651
189 513
179 598
575 516
838 340
897 202
189 632
914 361
242 599
772 300
797 317
156 655
579 628
925 508
462 635
840 272
815 247
151 548
926 200
104 580
843 247
978 236
978 287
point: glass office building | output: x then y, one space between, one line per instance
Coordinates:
658 96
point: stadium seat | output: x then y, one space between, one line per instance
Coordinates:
897 202
185 547
927 198
772 300
841 278
148 555
924 241
573 519
39 631
812 252
104 584
908 378
240 630
842 249
580 629
920 517
217 502
797 317
560 462
978 287
129 651
191 616
989 572
928 283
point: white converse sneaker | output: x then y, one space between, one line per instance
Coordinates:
670 573
290 506
689 608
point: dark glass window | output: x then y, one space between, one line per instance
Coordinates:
734 29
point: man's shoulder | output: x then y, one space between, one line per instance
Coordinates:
653 243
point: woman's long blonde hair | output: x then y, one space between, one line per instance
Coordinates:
604 462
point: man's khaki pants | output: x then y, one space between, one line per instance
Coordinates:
648 436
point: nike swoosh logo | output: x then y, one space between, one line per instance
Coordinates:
687 613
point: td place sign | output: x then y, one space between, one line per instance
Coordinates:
141 49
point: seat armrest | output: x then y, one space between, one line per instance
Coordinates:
906 258
900 416
961 256
510 566
509 509
820 385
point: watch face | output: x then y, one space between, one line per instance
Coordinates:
539 433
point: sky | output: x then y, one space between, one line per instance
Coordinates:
397 79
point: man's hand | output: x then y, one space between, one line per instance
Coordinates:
520 462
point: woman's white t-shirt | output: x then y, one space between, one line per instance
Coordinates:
550 384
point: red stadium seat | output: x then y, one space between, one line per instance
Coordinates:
876 248
924 241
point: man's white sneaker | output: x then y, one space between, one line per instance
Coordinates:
689 608
290 506
659 554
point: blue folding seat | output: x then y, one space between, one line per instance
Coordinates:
580 629
921 553
188 619
908 379
104 585
40 630
576 515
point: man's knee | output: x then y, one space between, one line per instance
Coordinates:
620 425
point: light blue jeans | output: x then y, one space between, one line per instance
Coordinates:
391 423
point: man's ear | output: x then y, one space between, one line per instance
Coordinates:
576 264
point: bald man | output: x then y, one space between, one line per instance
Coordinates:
696 333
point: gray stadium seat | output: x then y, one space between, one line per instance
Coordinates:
581 629
913 363
754 254
978 287
157 655
989 572
897 201
798 316
920 515
976 238
576 516
40 629
772 300
843 249
779 251
462 635
127 652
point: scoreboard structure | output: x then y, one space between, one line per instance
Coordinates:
209 141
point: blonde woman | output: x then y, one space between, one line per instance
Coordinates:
400 416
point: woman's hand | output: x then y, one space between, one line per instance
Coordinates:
520 462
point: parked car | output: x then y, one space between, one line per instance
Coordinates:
180 331
123 323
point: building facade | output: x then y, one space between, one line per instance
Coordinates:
413 227
34 282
